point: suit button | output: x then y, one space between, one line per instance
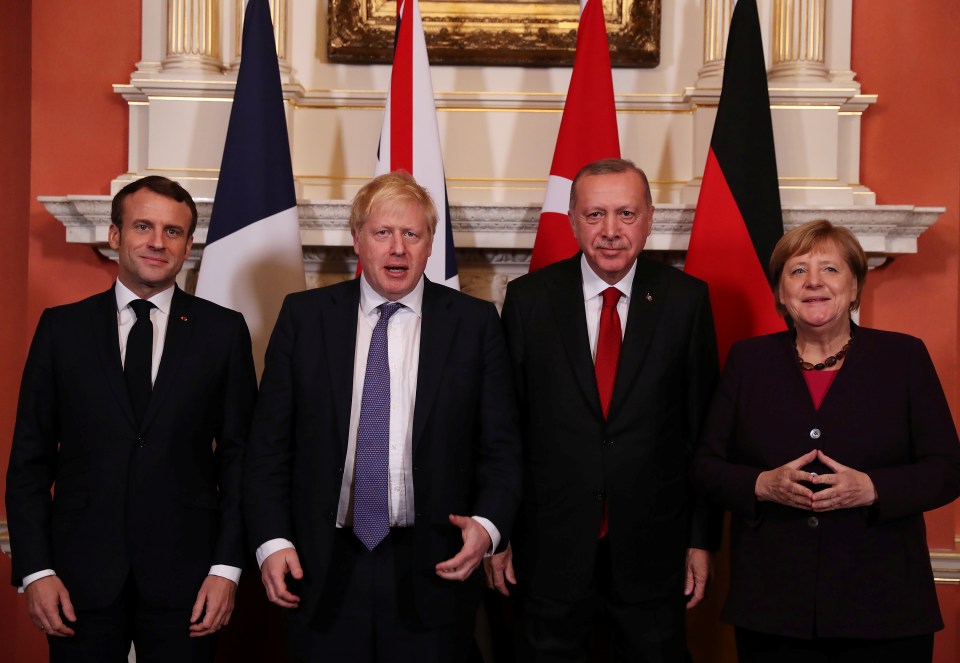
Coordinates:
599 495
331 515
815 433
141 443
813 522
608 443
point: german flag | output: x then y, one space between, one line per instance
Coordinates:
738 218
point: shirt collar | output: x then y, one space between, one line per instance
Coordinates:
370 299
161 300
593 285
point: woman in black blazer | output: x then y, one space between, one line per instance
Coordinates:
827 443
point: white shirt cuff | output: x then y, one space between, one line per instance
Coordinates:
492 531
226 571
35 576
270 547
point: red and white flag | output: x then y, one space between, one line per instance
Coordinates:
410 138
588 132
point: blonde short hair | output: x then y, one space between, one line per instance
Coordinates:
391 190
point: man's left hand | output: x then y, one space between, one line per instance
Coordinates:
215 604
476 542
699 567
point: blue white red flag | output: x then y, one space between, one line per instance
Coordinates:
253 256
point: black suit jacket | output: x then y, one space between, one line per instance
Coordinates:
156 499
637 459
465 439
860 573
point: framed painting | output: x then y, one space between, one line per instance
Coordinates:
499 32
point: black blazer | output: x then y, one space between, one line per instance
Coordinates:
156 500
637 459
465 439
859 573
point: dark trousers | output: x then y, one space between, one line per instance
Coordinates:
366 612
159 634
754 647
553 631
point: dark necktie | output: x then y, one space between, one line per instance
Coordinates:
605 365
371 520
138 359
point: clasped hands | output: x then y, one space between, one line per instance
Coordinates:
846 488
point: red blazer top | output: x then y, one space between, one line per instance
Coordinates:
862 572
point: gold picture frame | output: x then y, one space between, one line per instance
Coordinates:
501 32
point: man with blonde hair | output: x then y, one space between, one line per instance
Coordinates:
384 459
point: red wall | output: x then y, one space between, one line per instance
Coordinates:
63 130
911 154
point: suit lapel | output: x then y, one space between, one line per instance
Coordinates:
338 318
567 306
107 342
181 322
647 298
438 328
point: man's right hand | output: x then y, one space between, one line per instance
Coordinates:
499 571
273 572
45 598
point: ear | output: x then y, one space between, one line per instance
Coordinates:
113 237
189 246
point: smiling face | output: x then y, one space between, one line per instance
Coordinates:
394 244
611 221
817 289
153 242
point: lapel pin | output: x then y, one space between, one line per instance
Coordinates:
649 297
183 318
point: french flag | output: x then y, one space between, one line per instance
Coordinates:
253 257
588 132
738 219
410 137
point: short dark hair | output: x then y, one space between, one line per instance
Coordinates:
159 185
610 167
809 237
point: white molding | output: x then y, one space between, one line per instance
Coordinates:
504 234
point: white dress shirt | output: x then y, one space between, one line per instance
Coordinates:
403 346
126 317
593 287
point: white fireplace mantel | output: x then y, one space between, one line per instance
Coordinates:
505 234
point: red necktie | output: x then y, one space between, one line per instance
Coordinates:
608 347
605 365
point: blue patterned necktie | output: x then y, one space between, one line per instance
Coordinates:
371 520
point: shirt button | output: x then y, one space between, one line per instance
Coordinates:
815 433
813 522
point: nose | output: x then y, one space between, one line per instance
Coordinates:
813 280
610 226
397 247
156 238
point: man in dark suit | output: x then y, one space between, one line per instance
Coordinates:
614 358
134 407
384 455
